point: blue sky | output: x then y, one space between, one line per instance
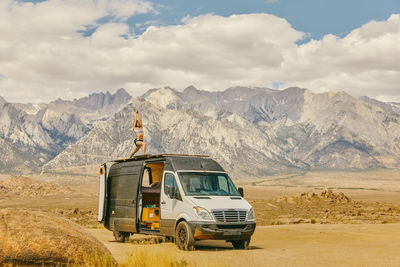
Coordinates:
316 17
69 48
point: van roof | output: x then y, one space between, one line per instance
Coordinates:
174 162
162 155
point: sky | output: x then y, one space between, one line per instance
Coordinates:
67 49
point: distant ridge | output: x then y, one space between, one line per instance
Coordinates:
250 131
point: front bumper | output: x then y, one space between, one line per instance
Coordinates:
222 231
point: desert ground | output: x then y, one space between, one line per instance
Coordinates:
310 219
283 245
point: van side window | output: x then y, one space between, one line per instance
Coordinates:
169 181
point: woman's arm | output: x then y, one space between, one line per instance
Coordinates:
134 123
140 119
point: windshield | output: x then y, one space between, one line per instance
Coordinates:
200 184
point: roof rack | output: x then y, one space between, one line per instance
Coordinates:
150 156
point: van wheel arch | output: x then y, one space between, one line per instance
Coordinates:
177 222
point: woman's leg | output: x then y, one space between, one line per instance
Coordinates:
134 151
144 148
143 145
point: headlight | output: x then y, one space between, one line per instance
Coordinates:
250 215
202 213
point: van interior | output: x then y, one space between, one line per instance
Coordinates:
151 190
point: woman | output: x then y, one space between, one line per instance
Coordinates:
138 129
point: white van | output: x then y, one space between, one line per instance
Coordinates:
183 197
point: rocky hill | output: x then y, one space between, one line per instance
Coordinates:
33 134
326 207
17 187
251 131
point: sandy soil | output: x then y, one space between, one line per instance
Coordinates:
340 242
286 245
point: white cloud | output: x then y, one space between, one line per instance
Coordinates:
365 62
43 57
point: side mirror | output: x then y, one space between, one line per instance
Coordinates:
172 192
241 192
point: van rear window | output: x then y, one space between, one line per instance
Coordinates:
213 184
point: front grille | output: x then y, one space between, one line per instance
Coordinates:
231 226
229 215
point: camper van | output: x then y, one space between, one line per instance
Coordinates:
182 197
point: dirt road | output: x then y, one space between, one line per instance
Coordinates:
286 245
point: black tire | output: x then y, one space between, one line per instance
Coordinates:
121 236
241 244
184 237
169 239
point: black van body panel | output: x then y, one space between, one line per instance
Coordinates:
123 184
168 166
167 227
175 162
193 163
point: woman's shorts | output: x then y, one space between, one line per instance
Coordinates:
137 140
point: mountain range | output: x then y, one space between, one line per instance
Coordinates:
33 134
250 131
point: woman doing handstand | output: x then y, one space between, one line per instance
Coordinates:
138 129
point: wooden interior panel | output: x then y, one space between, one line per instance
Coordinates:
151 193
157 170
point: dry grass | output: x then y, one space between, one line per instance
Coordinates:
144 257
98 260
35 237
153 256
167 255
140 257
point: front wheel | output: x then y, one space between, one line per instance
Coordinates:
121 236
241 244
169 239
184 237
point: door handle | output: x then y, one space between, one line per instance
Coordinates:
163 202
133 201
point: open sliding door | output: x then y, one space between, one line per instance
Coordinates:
123 180
102 194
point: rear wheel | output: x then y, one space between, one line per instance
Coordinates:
241 244
184 237
121 236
